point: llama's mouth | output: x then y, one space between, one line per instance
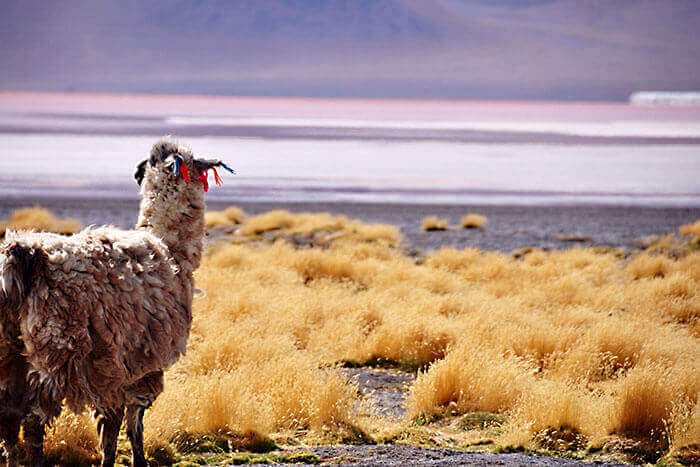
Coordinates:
180 168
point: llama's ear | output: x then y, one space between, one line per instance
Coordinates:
206 164
140 171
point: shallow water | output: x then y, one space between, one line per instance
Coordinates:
359 170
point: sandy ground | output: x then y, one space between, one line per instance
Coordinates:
509 227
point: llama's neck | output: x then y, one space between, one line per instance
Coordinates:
177 217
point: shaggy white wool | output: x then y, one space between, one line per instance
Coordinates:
106 311
98 315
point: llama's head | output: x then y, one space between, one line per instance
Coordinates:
173 167
172 184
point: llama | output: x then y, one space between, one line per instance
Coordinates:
95 318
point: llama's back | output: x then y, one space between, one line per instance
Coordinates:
107 308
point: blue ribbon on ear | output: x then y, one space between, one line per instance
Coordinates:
176 166
226 167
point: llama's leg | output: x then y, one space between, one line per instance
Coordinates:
108 426
43 401
34 427
34 424
143 394
13 403
134 430
9 434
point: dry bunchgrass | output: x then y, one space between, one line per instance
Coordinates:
644 405
557 405
579 341
649 266
433 223
273 220
691 230
72 440
321 226
470 379
227 218
685 430
39 219
241 376
599 336
379 233
474 221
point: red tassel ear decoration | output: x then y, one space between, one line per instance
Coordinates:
202 177
217 179
185 172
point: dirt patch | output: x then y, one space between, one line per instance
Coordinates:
397 454
384 391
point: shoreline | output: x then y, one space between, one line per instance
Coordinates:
509 227
456 120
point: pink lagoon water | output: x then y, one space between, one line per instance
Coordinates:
287 149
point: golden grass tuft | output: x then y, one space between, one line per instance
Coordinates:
452 259
649 266
469 380
685 428
556 405
72 439
314 265
273 220
229 217
378 233
474 221
644 405
433 223
324 228
39 219
691 230
244 372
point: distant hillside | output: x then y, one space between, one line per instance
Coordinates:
534 49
